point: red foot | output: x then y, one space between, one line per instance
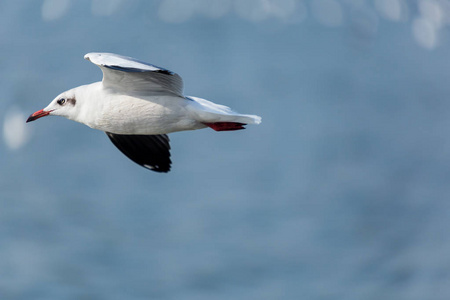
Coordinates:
225 126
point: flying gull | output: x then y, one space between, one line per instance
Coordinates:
137 104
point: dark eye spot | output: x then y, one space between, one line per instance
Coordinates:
72 101
61 101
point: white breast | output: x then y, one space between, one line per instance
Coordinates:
122 114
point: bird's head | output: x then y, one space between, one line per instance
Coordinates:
64 105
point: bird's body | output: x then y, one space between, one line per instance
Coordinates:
137 104
158 114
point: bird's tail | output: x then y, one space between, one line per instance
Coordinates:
219 117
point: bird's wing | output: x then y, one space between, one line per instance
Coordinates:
150 151
128 75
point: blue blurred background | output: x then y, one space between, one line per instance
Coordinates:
340 193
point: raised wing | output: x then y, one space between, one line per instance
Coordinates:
128 75
150 151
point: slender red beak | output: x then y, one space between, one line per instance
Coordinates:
39 114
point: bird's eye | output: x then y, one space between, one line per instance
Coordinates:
61 101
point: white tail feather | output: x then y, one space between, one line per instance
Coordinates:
209 112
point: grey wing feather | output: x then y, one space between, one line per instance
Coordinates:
131 76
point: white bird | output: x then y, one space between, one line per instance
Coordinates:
137 104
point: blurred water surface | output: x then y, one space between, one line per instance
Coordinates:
341 192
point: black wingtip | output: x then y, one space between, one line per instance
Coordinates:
136 70
149 151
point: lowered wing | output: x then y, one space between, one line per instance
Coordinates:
150 151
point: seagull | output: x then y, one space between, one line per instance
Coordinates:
137 104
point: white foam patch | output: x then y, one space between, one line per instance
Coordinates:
54 9
425 33
214 8
282 9
390 9
15 132
327 12
105 7
176 11
433 12
253 10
